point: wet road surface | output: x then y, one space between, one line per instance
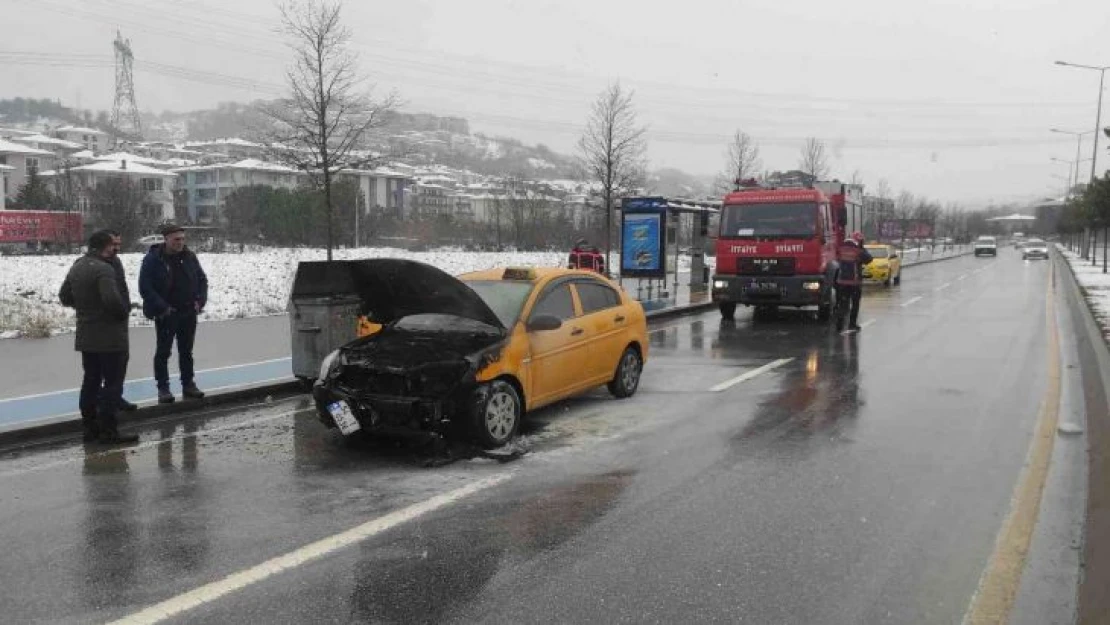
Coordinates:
768 471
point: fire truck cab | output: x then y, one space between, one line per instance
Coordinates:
777 247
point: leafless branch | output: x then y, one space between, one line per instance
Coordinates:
814 161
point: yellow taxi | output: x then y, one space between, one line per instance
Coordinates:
886 266
480 349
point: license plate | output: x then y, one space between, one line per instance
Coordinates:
765 287
344 418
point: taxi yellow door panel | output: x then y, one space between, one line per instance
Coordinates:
606 323
558 356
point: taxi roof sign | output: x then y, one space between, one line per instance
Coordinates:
519 273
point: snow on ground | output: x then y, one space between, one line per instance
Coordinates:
1095 284
252 284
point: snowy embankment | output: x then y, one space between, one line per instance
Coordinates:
1094 284
252 284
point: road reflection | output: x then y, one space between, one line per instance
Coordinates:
430 575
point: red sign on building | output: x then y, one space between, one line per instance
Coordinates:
40 226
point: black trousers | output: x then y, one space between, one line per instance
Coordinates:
101 389
847 303
181 327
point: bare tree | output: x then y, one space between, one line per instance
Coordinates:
121 204
884 206
743 161
325 124
612 151
903 211
814 161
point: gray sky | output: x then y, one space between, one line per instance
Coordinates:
950 99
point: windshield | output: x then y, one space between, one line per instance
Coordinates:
505 299
878 252
985 240
769 220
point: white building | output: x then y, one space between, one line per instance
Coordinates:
22 159
96 140
61 147
207 186
383 190
84 179
4 171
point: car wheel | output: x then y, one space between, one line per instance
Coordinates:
497 413
627 378
728 309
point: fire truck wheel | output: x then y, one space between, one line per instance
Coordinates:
728 309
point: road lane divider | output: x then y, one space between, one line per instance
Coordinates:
911 302
999 584
943 286
313 551
771 366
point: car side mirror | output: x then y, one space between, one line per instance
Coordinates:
544 323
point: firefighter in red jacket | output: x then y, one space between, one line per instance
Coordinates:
851 257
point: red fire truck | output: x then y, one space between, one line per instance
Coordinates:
777 246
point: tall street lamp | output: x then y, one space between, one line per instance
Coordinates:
1078 148
1098 111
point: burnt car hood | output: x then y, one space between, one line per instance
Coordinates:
392 288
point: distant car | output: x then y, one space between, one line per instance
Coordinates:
478 351
886 266
986 246
144 243
1034 249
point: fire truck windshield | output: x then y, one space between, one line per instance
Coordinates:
769 220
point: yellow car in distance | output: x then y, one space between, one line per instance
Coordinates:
886 266
479 350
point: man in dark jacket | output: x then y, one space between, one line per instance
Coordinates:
174 290
125 294
851 256
90 287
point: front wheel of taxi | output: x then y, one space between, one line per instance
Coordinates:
627 378
496 416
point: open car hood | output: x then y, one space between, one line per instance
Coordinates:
392 288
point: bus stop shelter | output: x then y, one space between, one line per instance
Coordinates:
655 233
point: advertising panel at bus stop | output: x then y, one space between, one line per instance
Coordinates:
643 237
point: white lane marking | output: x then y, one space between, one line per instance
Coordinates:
943 286
313 551
147 444
198 372
867 323
962 278
912 301
727 384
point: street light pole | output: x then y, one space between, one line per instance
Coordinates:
1098 112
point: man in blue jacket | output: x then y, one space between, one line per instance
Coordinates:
174 289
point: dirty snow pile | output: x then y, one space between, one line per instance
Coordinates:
1095 283
252 284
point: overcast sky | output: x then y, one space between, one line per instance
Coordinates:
950 99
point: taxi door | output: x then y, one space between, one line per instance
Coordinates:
558 357
606 322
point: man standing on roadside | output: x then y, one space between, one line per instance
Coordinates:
90 287
851 256
125 294
174 289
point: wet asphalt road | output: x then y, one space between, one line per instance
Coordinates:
862 481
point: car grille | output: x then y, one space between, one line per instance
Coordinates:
428 382
765 266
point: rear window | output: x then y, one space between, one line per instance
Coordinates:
596 296
878 252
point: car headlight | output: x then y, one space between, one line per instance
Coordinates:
720 284
325 366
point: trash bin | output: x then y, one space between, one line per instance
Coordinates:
324 308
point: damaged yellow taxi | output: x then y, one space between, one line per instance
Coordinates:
480 350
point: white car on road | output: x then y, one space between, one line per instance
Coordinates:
986 246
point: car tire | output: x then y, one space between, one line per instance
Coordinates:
627 377
728 309
825 310
496 414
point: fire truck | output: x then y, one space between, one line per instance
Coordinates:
777 246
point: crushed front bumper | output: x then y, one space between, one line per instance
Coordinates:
377 413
